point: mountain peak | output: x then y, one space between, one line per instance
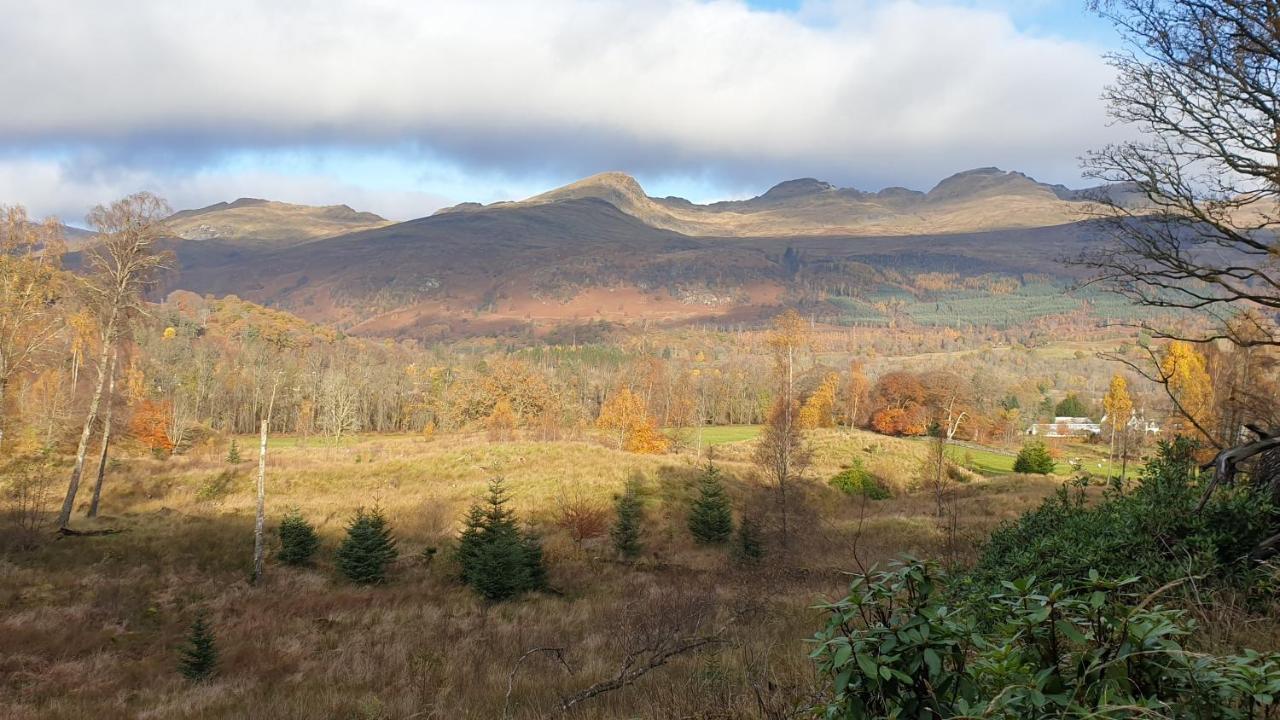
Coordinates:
985 181
797 188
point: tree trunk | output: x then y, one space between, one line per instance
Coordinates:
68 504
3 386
106 438
260 518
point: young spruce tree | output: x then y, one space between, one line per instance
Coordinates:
748 548
498 560
626 530
368 549
711 518
199 657
298 540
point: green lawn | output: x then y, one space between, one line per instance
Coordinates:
992 462
721 434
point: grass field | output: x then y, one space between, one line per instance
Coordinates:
90 626
993 462
722 434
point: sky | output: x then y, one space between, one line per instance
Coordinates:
401 107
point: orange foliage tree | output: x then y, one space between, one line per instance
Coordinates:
149 425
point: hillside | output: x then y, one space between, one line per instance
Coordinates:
971 201
250 221
601 249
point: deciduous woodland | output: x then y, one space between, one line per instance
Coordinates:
828 475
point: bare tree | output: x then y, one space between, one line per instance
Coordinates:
29 287
1200 80
122 264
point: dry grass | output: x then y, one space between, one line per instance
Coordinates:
91 624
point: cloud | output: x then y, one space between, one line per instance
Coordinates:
859 92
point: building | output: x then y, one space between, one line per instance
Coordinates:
1063 427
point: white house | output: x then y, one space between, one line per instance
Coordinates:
1066 427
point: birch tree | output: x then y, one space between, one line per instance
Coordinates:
122 264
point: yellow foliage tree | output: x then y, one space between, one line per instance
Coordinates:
624 417
819 409
1183 371
1119 408
501 423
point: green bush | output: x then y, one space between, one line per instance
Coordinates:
1153 531
298 540
855 480
711 517
199 659
233 453
1034 458
895 648
497 559
625 532
369 549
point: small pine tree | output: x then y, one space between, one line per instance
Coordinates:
626 530
368 549
200 656
1034 458
749 546
233 453
497 559
711 518
298 540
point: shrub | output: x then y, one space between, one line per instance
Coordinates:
1153 531
233 453
1034 458
855 480
497 559
582 518
369 548
298 540
711 518
749 547
216 487
625 532
199 659
895 648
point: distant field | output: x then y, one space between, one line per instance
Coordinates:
992 462
721 434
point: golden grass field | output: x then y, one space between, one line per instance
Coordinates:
91 625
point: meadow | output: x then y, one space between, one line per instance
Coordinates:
93 623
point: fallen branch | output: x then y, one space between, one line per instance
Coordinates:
68 532
630 672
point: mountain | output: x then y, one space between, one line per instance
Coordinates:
971 201
601 249
254 222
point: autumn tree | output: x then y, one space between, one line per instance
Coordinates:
1183 374
1119 408
820 407
624 418
122 265
857 390
30 286
501 423
782 453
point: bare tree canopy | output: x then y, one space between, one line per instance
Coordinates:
1200 82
